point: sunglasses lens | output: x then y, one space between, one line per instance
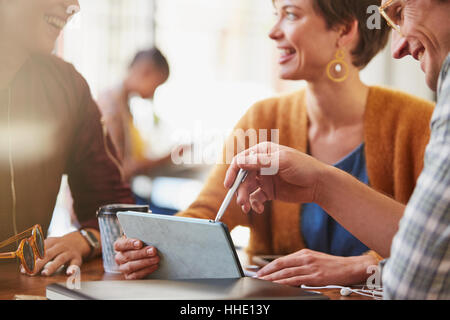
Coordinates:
28 256
40 243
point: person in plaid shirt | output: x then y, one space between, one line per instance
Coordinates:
419 265
416 237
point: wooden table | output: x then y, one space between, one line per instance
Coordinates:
12 282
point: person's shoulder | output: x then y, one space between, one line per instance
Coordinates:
63 83
400 104
444 83
61 72
53 62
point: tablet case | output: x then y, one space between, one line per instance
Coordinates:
188 248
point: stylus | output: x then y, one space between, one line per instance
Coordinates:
239 179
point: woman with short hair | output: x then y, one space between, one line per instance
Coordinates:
376 134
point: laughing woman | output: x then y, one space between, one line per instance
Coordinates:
50 126
376 134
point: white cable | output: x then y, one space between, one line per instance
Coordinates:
346 291
11 165
374 292
325 287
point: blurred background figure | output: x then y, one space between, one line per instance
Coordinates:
148 70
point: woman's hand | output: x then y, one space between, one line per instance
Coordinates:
317 269
68 251
296 178
135 261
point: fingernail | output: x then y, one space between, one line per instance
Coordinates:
70 270
44 272
136 244
260 273
150 251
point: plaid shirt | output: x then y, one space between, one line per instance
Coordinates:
419 266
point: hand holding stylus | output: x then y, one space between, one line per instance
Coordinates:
296 180
242 174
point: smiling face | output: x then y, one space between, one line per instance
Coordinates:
41 22
306 44
425 26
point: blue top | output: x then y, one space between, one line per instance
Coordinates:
320 231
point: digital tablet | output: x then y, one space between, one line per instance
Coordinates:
188 248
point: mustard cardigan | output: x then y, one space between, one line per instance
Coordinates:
396 132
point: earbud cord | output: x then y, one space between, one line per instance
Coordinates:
374 294
11 164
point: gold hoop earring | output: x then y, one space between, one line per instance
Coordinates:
338 66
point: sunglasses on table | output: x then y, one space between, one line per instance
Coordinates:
30 248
